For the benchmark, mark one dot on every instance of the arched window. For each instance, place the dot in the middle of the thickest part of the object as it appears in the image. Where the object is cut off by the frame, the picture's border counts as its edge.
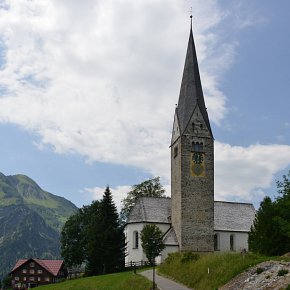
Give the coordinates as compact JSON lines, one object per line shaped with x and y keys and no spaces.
{"x":232,"y":242}
{"x":197,"y":146}
{"x":135,"y":240}
{"x":216,"y":242}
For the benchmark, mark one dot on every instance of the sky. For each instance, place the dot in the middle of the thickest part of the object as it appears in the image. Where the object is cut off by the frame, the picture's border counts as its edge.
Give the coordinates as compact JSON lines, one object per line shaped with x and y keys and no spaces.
{"x":88,"y":91}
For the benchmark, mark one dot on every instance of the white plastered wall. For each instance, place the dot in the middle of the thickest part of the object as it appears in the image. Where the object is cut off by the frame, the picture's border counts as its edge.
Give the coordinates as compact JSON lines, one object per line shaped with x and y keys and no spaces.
{"x":240,"y":241}
{"x":136,"y":254}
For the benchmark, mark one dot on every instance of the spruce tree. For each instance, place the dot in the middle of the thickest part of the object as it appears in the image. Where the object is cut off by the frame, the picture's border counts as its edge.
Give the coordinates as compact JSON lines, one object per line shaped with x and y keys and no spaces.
{"x":94,"y":236}
{"x":105,"y":238}
{"x":113,"y":236}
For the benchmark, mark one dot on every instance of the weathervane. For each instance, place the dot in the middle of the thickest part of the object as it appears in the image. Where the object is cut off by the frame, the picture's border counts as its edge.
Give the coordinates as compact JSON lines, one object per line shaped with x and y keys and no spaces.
{"x":190,"y":11}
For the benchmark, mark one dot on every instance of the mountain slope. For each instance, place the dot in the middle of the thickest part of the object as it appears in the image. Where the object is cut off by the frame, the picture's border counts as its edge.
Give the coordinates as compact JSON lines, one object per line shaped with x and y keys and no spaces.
{"x":30,"y":221}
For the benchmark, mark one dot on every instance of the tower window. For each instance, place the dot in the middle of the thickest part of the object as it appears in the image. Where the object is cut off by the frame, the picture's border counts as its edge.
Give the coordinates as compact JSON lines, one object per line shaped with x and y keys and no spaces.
{"x":135,"y":240}
{"x":175,"y":151}
{"x":197,"y":146}
{"x":201,"y":126}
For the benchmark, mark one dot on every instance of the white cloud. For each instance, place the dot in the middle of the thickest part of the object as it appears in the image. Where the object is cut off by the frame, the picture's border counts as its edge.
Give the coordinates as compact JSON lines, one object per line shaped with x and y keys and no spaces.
{"x":100,"y":78}
{"x":242,"y":173}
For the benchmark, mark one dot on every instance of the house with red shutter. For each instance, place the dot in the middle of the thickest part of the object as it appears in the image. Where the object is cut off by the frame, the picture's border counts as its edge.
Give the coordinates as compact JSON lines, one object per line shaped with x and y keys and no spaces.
{"x":30,"y":273}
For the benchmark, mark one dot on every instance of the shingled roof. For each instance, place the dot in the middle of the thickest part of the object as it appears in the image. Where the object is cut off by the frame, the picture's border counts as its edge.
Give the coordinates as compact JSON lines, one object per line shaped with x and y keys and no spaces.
{"x":228,"y":216}
{"x":191,"y":94}
{"x":233,"y":216}
{"x":151,"y":209}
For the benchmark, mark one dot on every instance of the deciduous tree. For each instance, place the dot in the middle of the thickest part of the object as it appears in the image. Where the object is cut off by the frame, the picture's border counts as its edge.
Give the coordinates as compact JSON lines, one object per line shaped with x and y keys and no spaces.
{"x":148,"y":188}
{"x":152,"y":243}
{"x":270,"y":233}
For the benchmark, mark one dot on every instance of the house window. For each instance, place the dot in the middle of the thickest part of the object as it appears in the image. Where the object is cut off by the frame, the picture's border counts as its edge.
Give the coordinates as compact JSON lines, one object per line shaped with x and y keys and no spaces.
{"x":31,"y":271}
{"x":31,"y":264}
{"x":47,"y":279}
{"x":24,"y":278}
{"x":232,"y":242}
{"x":216,"y":242}
{"x":31,"y":278}
{"x":135,"y":240}
{"x":16,"y":278}
{"x":24,"y":271}
{"x":175,"y":151}
{"x":38,"y":279}
{"x":197,"y":146}
{"x":39,"y":271}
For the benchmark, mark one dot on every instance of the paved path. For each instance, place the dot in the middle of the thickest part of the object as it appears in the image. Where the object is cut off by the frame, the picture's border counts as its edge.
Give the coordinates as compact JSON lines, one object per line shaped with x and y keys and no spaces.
{"x":163,"y":283}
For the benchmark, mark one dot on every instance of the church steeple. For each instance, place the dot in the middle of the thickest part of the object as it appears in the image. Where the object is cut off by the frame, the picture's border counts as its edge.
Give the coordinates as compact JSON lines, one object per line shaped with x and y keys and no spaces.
{"x":192,"y":163}
{"x":191,"y":94}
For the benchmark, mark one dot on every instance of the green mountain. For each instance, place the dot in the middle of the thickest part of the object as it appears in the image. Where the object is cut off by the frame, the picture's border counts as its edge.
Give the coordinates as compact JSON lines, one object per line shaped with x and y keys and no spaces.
{"x":30,"y":221}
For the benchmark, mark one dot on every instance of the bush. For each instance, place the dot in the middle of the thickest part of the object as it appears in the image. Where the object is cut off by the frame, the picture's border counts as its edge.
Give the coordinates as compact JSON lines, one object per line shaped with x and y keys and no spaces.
{"x":282,"y":272}
{"x":188,"y":257}
{"x":183,"y":257}
{"x":288,"y":287}
{"x":171,"y":257}
{"x":259,"y":270}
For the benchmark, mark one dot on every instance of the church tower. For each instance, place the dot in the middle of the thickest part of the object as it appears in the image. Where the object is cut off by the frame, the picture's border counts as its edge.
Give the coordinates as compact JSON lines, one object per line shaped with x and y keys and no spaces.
{"x":192,"y":163}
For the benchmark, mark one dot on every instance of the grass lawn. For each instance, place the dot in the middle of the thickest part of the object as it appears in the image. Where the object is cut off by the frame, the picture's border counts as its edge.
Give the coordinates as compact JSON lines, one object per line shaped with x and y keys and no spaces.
{"x":117,"y":281}
{"x":209,"y":271}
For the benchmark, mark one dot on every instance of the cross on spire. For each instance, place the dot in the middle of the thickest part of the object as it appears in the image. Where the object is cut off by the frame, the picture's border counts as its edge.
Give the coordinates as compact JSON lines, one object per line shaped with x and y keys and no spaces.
{"x":190,"y":11}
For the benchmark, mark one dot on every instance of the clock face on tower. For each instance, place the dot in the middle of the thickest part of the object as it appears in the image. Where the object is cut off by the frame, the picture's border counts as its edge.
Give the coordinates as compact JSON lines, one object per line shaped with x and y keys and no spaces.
{"x":197,"y":166}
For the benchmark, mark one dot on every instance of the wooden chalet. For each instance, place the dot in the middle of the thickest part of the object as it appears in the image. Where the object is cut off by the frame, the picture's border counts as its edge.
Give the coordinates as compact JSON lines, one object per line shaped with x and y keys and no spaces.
{"x":30,"y":273}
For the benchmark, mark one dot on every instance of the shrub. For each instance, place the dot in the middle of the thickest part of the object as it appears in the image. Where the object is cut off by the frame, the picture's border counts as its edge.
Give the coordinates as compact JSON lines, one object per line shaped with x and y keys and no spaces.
{"x":288,"y":287}
{"x":259,"y":270}
{"x":172,"y":257}
{"x":282,"y":272}
{"x":188,"y":257}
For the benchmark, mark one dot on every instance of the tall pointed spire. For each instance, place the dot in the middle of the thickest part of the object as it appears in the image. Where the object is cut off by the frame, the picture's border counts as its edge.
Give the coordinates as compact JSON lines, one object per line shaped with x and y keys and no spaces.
{"x":191,"y":94}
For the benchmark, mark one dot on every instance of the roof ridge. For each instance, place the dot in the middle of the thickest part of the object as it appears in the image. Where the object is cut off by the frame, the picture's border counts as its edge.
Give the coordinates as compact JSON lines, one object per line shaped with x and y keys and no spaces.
{"x":232,"y":202}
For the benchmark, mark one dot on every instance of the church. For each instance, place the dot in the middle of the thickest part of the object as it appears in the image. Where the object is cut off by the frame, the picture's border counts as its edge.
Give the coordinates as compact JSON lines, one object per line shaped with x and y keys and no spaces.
{"x":191,"y":220}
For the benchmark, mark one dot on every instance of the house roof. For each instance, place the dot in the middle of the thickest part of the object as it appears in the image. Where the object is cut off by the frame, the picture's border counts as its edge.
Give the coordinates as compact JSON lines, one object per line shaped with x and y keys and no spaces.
{"x":228,"y":216}
{"x":52,"y":266}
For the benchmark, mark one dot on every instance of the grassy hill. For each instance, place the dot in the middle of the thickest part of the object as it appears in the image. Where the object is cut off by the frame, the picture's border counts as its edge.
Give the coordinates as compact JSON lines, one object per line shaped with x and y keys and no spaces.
{"x":118,"y":281}
{"x":208,"y":272}
{"x":30,"y":221}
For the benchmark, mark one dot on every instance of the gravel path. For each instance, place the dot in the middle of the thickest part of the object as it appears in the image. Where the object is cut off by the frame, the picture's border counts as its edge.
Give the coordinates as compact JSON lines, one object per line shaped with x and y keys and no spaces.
{"x":164,"y":283}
